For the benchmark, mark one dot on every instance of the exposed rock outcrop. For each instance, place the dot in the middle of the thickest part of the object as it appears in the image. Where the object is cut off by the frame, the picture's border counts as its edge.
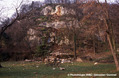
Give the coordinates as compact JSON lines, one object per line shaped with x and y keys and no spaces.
{"x":47,"y":10}
{"x":59,"y":10}
{"x":57,"y":21}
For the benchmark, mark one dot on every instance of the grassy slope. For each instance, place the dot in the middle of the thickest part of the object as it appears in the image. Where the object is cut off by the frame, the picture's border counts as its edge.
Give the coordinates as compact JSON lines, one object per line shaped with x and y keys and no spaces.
{"x":39,"y":70}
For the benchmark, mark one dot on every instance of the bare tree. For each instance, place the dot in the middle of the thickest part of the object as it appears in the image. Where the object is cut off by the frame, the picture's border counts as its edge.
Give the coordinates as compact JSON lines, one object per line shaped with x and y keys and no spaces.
{"x":6,"y":24}
{"x":117,"y":1}
{"x":104,"y":14}
{"x":0,"y":21}
{"x":109,"y":32}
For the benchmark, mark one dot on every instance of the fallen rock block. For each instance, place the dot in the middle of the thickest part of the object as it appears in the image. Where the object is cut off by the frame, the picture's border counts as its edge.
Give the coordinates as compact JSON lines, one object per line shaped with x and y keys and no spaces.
{"x":28,"y":60}
{"x":53,"y":68}
{"x":61,"y":68}
{"x":79,"y":60}
{"x":95,"y":63}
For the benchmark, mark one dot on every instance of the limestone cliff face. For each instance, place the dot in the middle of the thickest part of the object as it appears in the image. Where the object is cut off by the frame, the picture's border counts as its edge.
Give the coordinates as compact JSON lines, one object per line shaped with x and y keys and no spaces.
{"x":33,"y":36}
{"x":59,"y":11}
{"x":60,"y":17}
{"x":57,"y":18}
{"x":47,"y":10}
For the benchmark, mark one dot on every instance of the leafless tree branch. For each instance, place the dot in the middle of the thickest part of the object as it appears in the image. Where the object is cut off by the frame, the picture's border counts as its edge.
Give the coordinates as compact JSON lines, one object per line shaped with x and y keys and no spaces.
{"x":5,"y":26}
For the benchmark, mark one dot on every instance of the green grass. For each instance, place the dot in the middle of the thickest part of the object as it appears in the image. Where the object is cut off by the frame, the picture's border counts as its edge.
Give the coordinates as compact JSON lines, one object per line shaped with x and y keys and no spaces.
{"x":39,"y":70}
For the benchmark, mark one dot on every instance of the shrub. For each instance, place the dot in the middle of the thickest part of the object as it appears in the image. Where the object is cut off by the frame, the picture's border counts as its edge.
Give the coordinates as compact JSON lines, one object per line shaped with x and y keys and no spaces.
{"x":42,"y":51}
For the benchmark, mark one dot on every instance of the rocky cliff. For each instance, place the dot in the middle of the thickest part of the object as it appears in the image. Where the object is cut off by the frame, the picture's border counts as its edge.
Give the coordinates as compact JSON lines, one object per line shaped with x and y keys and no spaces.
{"x":54,"y":17}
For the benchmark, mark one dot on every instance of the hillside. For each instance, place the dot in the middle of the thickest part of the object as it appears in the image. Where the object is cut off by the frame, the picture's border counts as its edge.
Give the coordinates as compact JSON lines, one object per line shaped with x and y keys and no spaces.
{"x":76,"y":29}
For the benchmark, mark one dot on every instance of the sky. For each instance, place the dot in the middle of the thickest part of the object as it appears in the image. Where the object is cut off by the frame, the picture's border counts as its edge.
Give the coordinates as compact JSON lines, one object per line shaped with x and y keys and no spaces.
{"x":9,"y":6}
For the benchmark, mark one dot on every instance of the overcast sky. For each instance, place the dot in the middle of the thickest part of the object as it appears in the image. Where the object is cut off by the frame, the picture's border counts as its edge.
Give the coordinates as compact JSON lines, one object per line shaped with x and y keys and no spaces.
{"x":10,"y":4}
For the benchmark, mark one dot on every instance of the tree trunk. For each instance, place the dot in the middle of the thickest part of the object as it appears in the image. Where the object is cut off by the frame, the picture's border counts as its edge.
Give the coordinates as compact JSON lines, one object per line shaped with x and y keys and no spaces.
{"x":75,"y":55}
{"x":110,"y":34}
{"x":94,"y":45}
{"x":0,"y":66}
{"x":0,"y":50}
{"x":113,"y":53}
{"x":111,"y":41}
